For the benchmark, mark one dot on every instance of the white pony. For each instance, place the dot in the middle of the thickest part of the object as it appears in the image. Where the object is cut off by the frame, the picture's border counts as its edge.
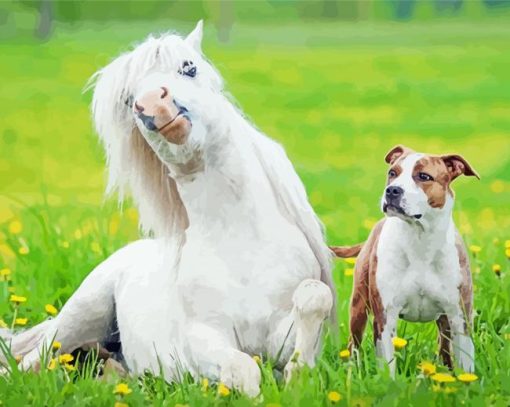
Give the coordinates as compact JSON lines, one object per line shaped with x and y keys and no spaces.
{"x":238,"y":265}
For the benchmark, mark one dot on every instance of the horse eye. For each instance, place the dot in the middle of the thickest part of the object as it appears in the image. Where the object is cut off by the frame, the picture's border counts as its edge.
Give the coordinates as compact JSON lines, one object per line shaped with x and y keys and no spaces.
{"x":423,"y":176}
{"x":129,"y":101}
{"x":188,"y":68}
{"x":392,"y":173}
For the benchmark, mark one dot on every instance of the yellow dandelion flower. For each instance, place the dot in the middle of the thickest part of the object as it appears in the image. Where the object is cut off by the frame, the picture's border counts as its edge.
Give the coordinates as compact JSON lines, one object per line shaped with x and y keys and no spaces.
{"x":17,"y":299}
{"x":132,"y":214}
{"x":95,"y":247}
{"x":334,"y":396}
{"x":475,"y":249}
{"x":66,"y":358}
{"x":443,"y":378}
{"x":77,"y":234}
{"x":344,"y":354}
{"x":52,"y":364}
{"x":5,"y":274}
{"x":507,"y":244}
{"x":15,"y":227}
{"x":350,"y":260}
{"x":69,"y":367}
{"x":50,"y":309}
{"x":120,"y":404}
{"x":496,"y":268}
{"x":437,"y":388}
{"x":497,"y":186}
{"x":467,"y":377}
{"x":399,"y":343}
{"x":64,"y":244}
{"x":122,"y":389}
{"x":427,"y":368}
{"x":113,"y":226}
{"x":507,"y":252}
{"x":20,"y":321}
{"x":56,"y":345}
{"x":369,"y":223}
{"x":3,"y":324}
{"x":205,"y":384}
{"x":223,"y":390}
{"x":349,"y":272}
{"x":23,"y":250}
{"x":257,"y":359}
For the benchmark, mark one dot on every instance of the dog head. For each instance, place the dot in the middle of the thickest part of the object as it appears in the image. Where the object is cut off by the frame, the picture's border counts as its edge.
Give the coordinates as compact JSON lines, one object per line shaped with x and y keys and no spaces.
{"x":420,"y":184}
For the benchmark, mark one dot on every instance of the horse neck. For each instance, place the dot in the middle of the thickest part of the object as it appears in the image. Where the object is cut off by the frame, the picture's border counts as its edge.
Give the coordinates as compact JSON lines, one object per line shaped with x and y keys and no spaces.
{"x":224,"y":178}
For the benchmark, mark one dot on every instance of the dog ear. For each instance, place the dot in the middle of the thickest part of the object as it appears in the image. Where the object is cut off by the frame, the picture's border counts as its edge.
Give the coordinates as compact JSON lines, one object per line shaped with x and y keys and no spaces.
{"x":194,"y":38}
{"x":396,"y":152}
{"x":457,"y":165}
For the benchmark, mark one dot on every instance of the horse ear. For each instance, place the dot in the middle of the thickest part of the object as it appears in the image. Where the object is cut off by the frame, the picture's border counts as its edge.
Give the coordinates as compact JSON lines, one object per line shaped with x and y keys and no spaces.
{"x":194,"y":38}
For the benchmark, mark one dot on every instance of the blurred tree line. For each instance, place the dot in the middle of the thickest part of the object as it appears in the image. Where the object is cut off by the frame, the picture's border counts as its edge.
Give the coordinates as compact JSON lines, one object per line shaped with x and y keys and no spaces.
{"x":224,"y":13}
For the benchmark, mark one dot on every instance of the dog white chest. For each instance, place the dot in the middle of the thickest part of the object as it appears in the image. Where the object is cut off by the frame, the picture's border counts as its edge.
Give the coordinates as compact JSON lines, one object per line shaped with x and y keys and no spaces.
{"x":417,"y":280}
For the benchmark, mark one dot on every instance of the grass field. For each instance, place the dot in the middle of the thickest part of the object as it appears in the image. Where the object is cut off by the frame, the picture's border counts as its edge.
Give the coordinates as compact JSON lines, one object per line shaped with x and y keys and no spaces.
{"x":338,"y":97}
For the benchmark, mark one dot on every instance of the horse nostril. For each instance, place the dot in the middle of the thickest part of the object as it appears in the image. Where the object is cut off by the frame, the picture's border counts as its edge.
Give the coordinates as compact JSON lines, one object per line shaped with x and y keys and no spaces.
{"x":165,"y":92}
{"x":139,"y":108}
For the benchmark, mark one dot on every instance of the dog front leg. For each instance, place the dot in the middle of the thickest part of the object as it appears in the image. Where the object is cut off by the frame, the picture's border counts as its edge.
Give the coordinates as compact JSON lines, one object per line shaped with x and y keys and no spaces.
{"x":463,"y":347}
{"x":385,"y":329}
{"x":312,"y":304}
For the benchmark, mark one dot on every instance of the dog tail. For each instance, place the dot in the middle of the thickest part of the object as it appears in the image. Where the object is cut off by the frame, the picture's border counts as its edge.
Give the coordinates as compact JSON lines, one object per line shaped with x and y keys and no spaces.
{"x":347,"y":251}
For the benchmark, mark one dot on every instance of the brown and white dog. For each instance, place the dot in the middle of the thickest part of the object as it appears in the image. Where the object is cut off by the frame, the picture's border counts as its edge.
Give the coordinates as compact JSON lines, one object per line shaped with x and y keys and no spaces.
{"x":414,"y":264}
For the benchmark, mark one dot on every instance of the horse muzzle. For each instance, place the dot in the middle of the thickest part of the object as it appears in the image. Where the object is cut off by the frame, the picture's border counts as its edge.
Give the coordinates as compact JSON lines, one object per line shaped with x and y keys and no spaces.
{"x":159,"y":112}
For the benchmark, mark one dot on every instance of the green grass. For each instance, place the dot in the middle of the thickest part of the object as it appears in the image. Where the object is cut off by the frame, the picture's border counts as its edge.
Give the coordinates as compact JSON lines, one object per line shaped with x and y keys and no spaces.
{"x":338,"y":97}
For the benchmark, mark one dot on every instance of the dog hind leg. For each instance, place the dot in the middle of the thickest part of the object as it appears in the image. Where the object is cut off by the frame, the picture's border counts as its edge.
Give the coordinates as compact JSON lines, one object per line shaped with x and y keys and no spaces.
{"x":358,"y":316}
{"x":444,"y":340}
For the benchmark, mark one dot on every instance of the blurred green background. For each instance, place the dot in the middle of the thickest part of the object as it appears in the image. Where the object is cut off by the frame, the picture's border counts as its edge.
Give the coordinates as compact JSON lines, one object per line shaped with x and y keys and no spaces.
{"x":338,"y":83}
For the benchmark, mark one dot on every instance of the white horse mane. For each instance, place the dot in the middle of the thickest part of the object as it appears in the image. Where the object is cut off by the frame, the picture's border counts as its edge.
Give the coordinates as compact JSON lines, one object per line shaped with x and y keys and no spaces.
{"x":133,"y":164}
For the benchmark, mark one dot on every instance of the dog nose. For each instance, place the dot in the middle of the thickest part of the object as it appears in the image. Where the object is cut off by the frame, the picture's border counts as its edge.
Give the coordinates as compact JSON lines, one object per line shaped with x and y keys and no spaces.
{"x":394,"y":192}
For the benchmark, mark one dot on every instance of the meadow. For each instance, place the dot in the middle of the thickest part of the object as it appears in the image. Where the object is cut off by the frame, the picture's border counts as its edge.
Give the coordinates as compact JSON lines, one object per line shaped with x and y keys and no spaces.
{"x":338,"y":97}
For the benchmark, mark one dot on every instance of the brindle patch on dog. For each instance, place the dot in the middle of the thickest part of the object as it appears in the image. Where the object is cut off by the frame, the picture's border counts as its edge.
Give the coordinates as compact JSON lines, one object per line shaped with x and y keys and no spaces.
{"x":437,"y":188}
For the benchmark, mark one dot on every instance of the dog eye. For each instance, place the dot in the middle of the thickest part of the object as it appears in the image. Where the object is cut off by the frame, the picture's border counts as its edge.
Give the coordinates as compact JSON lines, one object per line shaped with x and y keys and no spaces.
{"x":188,"y":68}
{"x":423,"y":176}
{"x":392,"y":173}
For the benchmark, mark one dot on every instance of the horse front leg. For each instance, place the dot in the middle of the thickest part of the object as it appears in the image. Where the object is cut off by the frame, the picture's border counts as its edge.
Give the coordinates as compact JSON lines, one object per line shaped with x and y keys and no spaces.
{"x":213,"y":354}
{"x":312,"y":302}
